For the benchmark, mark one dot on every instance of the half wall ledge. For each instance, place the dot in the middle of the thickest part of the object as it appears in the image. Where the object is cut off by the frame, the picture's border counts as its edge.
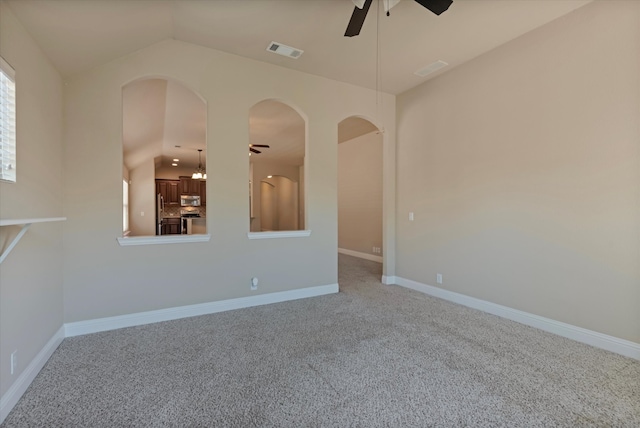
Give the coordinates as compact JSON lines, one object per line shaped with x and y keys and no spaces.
{"x":162,"y":239}
{"x":279,"y":234}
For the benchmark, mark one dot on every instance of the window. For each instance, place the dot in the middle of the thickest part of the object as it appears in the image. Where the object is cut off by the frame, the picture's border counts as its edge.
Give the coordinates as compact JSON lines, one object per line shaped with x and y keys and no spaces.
{"x":125,"y":205}
{"x":7,"y":122}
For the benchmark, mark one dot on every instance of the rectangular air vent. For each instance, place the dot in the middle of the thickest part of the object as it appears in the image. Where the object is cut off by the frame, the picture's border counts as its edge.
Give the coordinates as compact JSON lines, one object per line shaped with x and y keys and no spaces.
{"x":284,"y":50}
{"x":431,"y":68}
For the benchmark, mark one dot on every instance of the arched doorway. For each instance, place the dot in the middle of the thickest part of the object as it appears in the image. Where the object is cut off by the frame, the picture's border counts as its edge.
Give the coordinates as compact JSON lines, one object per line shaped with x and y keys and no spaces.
{"x":360,"y":189}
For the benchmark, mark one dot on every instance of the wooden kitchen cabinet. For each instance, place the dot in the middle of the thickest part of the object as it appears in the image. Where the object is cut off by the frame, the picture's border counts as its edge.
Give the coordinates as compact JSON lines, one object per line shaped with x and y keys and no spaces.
{"x":189,"y":186}
{"x":195,"y":187}
{"x":173,"y":195}
{"x":161,"y":188}
{"x":203,"y":192}
{"x":170,"y":191}
{"x":185,"y":185}
{"x":171,"y":226}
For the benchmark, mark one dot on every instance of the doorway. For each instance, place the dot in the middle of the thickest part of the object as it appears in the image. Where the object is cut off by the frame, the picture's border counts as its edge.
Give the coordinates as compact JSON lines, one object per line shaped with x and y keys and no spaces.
{"x":360,"y":187}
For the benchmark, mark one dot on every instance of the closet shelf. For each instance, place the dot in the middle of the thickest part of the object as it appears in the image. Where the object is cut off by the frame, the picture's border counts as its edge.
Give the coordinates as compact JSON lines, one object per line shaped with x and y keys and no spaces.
{"x":26,"y":223}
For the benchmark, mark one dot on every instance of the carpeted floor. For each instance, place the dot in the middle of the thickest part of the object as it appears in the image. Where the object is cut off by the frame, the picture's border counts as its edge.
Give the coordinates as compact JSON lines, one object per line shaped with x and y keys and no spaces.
{"x":369,"y":356}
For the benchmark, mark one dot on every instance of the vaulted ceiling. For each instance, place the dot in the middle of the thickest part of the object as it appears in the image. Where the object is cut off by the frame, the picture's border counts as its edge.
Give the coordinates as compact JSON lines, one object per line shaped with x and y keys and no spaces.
{"x":79,"y":35}
{"x":162,"y":120}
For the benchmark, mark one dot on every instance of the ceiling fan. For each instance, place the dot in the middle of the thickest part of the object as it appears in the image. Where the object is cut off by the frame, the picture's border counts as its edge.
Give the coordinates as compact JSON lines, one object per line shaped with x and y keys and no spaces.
{"x":362,"y":7}
{"x":251,"y":148}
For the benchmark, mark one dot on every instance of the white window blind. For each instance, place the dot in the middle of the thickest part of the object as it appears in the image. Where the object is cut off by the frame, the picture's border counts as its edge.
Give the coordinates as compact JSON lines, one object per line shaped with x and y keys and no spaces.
{"x":7,"y":122}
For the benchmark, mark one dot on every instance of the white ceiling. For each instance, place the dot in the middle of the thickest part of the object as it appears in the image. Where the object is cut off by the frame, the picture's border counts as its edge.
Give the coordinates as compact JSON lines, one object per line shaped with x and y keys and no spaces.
{"x":143,"y":112}
{"x":79,"y":35}
{"x":280,"y":127}
{"x":162,"y":120}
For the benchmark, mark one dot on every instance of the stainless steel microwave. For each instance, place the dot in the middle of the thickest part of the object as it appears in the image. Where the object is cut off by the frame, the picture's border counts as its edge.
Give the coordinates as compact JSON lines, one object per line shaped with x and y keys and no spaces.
{"x":189,"y":201}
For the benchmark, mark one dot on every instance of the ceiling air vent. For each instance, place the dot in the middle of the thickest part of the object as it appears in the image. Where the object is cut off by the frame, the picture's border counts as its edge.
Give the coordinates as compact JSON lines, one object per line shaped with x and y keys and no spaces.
{"x":284,"y":50}
{"x":431,"y":68}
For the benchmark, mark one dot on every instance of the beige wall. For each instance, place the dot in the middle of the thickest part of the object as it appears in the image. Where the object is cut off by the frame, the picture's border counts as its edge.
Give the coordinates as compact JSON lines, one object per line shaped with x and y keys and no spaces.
{"x":287,"y":202}
{"x":142,"y":189}
{"x":260,"y":172}
{"x":279,"y":206}
{"x":173,"y":172}
{"x":103,"y":279}
{"x":268,"y":207}
{"x":301,"y":198}
{"x":31,"y":277}
{"x":523,"y":170}
{"x":360,"y":193}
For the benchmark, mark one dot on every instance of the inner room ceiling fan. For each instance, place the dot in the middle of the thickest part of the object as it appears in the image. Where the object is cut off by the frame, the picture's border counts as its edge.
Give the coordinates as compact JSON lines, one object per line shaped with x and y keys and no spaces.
{"x":362,"y":7}
{"x":252,"y":150}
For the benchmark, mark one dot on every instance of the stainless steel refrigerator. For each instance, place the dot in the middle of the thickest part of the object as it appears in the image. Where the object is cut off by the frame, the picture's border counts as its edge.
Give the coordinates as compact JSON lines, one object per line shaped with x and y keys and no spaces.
{"x":159,"y":213}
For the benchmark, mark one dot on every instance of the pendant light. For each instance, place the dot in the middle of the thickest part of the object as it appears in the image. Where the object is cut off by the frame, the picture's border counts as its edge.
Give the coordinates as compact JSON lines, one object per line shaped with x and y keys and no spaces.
{"x":199,"y":173}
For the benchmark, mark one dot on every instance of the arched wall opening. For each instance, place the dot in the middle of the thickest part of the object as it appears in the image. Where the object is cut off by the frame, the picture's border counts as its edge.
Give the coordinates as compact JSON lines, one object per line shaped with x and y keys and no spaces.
{"x":360,"y":189}
{"x":277,"y":150}
{"x":164,"y":138}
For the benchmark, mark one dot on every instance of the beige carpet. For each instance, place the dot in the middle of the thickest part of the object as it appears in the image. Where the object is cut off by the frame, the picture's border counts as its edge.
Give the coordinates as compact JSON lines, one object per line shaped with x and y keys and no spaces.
{"x":369,"y":356}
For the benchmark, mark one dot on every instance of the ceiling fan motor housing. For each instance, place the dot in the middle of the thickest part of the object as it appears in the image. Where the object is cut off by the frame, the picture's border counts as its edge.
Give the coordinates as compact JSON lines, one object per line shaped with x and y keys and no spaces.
{"x":436,"y":6}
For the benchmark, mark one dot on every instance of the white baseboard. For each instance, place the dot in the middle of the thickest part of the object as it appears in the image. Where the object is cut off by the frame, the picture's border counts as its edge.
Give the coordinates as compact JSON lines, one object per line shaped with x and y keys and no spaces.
{"x":579,"y":334}
{"x":13,"y":394}
{"x":141,"y":318}
{"x":11,"y":397}
{"x":360,"y":255}
{"x":388,"y":280}
{"x":599,"y":340}
{"x":270,"y":234}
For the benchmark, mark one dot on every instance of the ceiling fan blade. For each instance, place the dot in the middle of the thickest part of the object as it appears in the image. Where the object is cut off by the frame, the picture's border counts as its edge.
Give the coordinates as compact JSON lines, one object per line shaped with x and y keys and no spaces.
{"x":357,"y":20}
{"x":254,"y":150}
{"x":260,"y":145}
{"x":436,"y":6}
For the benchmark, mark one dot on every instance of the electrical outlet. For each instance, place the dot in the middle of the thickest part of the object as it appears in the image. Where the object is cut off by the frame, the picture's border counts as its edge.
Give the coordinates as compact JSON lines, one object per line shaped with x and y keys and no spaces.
{"x":254,"y":283}
{"x":439,"y":278}
{"x":14,"y":362}
{"x":411,"y":216}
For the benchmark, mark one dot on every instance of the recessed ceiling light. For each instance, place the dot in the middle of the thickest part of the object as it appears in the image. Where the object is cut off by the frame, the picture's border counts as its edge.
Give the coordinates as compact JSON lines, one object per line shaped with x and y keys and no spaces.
{"x":176,"y":160}
{"x":174,"y":164}
{"x":269,"y":176}
{"x":284,"y":50}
